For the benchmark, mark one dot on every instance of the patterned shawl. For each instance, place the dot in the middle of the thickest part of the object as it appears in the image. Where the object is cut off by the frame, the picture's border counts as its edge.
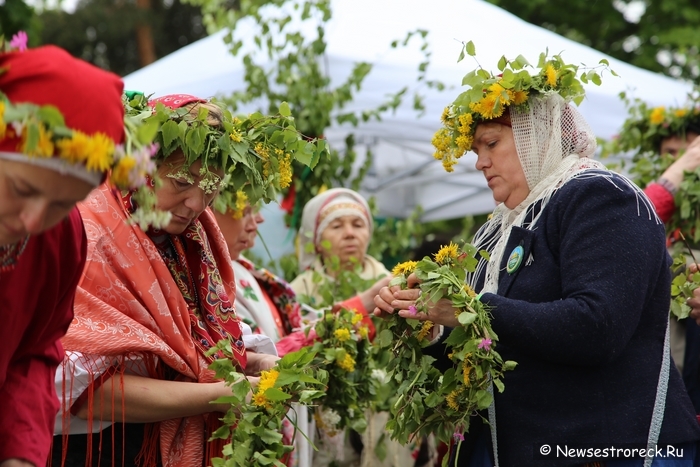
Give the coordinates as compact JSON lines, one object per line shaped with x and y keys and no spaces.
{"x":279,"y":291}
{"x":129,"y":304}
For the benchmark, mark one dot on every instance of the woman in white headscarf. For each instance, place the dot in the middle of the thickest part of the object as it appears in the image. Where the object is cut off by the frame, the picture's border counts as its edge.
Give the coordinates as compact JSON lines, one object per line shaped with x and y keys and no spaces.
{"x":578,"y":283}
{"x":336,"y":224}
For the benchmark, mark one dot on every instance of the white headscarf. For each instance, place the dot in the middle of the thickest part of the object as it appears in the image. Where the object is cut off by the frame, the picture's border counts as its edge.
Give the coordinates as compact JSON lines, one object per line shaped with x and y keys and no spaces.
{"x":320,"y":211}
{"x":554,"y":144}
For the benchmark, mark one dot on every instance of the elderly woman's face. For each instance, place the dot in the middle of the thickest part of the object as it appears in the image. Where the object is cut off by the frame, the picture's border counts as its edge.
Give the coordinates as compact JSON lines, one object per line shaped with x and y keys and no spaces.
{"x":348,"y":237}
{"x":180,"y":193}
{"x":498,"y":160}
{"x":239,"y":232}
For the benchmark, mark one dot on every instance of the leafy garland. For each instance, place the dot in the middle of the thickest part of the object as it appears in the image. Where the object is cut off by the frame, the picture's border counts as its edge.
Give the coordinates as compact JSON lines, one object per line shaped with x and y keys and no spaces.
{"x":644,"y":130}
{"x":255,"y":152}
{"x":347,"y":359}
{"x":42,"y":133}
{"x":431,"y":402}
{"x":490,"y":95}
{"x":342,"y":357}
{"x":254,"y":428}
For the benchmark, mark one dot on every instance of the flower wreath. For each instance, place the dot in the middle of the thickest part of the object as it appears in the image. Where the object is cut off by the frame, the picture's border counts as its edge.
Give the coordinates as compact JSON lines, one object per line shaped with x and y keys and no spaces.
{"x":430,"y":401}
{"x":42,"y":132}
{"x":255,"y":152}
{"x":644,"y":130}
{"x":490,"y":95}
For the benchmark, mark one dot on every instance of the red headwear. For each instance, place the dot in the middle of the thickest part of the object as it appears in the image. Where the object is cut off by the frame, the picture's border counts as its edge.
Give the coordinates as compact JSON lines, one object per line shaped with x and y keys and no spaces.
{"x":175,"y":101}
{"x":89,"y":99}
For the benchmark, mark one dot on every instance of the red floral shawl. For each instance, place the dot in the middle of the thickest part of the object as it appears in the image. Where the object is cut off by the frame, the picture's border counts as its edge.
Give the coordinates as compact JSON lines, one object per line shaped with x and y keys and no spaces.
{"x":128,"y":304}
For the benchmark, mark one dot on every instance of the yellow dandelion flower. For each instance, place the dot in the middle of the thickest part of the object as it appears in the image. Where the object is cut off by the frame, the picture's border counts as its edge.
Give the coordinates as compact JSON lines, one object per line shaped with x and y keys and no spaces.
{"x":356,"y":318}
{"x":464,"y":142}
{"x":425,"y":330}
{"x":519,"y":97}
{"x":447,"y":164}
{"x":466,"y":120}
{"x":100,"y":152}
{"x":465,"y":123}
{"x":551,"y":75}
{"x":44,"y":146}
{"x":489,"y":107}
{"x":363,"y":331}
{"x":499,"y":93}
{"x":342,"y":334}
{"x":469,"y":290}
{"x":466,"y":371}
{"x":285,"y":171}
{"x":446,"y":252}
{"x":444,"y":118}
{"x":267,"y":380}
{"x":236,"y":136}
{"x":74,"y":149}
{"x":120,"y":174}
{"x":657,"y":115}
{"x":441,"y":139}
{"x":260,"y":399}
{"x":347,"y":363}
{"x":452,"y":401}
{"x":405,"y":268}
{"x":680,"y":113}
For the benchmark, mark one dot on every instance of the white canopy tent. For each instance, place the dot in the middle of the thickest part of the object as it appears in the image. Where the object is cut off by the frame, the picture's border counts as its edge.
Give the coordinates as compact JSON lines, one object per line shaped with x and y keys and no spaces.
{"x":404,"y":172}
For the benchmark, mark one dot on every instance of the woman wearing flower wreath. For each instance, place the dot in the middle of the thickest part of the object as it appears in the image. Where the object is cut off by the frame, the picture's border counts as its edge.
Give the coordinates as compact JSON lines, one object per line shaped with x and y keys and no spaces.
{"x":151,"y":304}
{"x":61,"y":121}
{"x":578,"y":280}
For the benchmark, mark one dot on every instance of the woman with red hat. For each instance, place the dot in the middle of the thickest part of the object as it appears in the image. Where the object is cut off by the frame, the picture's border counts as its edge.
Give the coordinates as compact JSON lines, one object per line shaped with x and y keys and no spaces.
{"x":61,"y":125}
{"x":136,"y":385}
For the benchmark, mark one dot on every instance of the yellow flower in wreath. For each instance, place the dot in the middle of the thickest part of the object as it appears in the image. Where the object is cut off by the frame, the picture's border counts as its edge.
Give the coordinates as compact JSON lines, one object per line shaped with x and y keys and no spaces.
{"x":342,"y":334}
{"x":101,"y":149}
{"x":347,"y":363}
{"x":44,"y":146}
{"x":551,"y":75}
{"x":657,"y":115}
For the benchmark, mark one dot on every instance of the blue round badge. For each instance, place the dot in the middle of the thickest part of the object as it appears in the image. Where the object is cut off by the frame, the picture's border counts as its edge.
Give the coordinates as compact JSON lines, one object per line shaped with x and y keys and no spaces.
{"x":514,"y":260}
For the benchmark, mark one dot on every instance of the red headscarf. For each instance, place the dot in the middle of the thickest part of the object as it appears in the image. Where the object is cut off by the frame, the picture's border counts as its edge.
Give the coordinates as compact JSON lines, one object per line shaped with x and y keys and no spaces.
{"x":88,"y":97}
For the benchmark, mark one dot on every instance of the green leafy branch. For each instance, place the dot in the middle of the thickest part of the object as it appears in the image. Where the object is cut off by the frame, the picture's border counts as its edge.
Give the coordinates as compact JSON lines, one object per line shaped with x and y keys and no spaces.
{"x":437,"y":403}
{"x":254,"y":428}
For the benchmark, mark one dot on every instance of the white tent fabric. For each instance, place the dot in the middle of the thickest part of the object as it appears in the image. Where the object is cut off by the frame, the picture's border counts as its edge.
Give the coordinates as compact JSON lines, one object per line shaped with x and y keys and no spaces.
{"x":404,"y":173}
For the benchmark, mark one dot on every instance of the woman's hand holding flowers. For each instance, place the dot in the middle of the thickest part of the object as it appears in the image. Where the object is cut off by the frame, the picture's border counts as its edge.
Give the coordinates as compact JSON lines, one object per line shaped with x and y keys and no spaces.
{"x":257,"y":362}
{"x":407,"y":304}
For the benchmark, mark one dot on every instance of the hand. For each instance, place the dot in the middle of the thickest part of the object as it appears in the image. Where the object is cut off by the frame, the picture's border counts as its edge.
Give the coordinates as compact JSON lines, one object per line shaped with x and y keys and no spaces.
{"x":258,"y":362}
{"x":16,"y":463}
{"x":694,"y":302}
{"x":368,"y":295}
{"x":395,"y":300}
{"x":384,"y":299}
{"x":688,"y":162}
